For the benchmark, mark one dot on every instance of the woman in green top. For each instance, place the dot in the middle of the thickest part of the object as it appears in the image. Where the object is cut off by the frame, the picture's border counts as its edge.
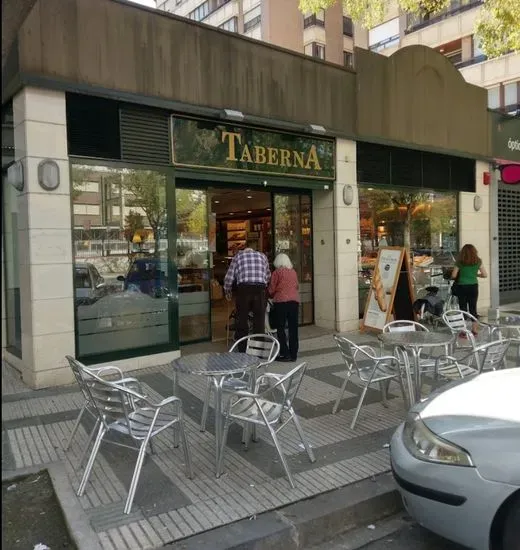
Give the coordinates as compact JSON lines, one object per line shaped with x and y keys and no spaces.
{"x":467,"y":269}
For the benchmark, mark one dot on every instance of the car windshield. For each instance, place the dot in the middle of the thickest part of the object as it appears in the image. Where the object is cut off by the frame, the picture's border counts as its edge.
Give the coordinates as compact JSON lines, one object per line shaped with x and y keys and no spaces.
{"x":81,"y":278}
{"x":143,"y":269}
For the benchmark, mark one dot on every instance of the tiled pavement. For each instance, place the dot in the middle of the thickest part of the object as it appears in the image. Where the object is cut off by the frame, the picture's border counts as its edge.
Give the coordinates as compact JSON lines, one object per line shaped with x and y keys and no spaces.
{"x":168,"y":506}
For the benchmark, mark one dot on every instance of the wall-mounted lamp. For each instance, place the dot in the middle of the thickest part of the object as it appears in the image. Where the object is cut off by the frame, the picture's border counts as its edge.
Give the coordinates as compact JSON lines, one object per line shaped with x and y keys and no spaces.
{"x":348,"y":195}
{"x":231,"y":114}
{"x":49,"y":174}
{"x":477,"y":202}
{"x":317,"y":129}
{"x":15,"y":175}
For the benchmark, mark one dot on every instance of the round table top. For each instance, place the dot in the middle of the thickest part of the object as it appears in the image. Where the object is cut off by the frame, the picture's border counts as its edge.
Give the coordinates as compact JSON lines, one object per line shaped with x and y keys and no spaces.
{"x":504,"y":321}
{"x":216,"y":364}
{"x":415,"y":338}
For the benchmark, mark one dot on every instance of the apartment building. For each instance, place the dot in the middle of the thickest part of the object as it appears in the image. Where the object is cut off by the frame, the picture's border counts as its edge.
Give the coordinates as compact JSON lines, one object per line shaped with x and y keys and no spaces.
{"x":331,"y":35}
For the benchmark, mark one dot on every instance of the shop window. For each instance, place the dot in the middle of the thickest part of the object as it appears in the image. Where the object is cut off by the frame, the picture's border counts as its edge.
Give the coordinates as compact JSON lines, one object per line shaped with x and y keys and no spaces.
{"x":121,"y":272}
{"x":425,"y":222}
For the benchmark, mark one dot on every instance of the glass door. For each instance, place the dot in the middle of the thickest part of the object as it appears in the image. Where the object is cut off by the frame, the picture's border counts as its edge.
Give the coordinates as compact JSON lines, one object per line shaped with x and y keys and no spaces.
{"x":293,"y":236}
{"x":193,"y":266}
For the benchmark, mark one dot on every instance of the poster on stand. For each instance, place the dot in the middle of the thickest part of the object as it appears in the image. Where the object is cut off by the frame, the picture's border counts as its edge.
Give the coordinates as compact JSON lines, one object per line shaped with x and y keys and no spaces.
{"x":391,"y":272}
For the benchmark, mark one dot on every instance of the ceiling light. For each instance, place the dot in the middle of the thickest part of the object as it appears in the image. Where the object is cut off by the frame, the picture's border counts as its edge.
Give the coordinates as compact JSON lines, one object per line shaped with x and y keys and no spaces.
{"x":442,"y":50}
{"x":249,"y":196}
{"x":268,"y":209}
{"x":217,"y":202}
{"x":317,"y":129}
{"x":231,"y":213}
{"x":232,"y":114}
{"x":249,"y":211}
{"x":370,"y":188}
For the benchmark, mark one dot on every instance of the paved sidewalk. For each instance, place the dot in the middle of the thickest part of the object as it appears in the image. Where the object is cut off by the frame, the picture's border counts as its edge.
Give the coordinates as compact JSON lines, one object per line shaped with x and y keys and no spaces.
{"x":168,"y":506}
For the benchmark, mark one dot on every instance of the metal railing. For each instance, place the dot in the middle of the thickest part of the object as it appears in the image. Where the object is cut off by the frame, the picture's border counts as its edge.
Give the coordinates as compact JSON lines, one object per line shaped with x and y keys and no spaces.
{"x":416,"y":22}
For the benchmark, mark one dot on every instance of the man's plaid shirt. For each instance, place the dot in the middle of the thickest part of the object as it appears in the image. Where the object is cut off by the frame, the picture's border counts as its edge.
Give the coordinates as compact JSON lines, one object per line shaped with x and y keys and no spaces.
{"x":247,"y":267}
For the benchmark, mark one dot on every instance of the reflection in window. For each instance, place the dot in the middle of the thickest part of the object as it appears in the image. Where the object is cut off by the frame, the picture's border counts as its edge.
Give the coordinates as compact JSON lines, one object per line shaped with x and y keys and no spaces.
{"x":293,"y":236}
{"x":120,"y":259}
{"x":423,"y":222}
{"x":193,"y":264}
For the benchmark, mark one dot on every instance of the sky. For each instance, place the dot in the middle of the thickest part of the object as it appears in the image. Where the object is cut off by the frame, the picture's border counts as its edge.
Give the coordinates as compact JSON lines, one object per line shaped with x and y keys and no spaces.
{"x":149,"y":3}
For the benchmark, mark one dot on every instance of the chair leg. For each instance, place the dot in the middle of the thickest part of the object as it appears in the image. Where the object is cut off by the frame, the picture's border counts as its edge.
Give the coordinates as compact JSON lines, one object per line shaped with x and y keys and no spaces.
{"x":223,"y":443}
{"x":358,"y":408}
{"x":185,"y":448}
{"x":207,"y":398}
{"x":299,"y":429}
{"x":89,"y":441}
{"x":246,"y":436}
{"x":75,"y":428}
{"x":135,"y":477}
{"x":384,"y":389}
{"x":152,"y":448}
{"x":92,"y":458}
{"x":281,"y":455}
{"x":341,"y":392}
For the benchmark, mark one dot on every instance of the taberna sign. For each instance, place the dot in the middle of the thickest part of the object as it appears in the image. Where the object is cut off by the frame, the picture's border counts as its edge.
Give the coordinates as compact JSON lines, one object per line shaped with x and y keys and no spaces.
{"x":212,"y":144}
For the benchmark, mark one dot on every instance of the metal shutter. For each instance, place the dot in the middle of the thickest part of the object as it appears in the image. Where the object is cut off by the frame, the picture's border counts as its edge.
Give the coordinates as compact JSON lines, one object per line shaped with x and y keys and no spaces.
{"x":508,"y":242}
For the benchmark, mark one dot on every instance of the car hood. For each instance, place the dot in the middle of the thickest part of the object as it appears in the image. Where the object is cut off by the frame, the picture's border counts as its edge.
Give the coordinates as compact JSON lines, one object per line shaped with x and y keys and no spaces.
{"x":481,"y":415}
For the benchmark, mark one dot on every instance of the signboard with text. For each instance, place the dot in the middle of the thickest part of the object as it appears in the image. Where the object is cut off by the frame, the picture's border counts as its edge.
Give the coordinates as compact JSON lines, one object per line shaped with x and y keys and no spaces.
{"x":391,"y":293}
{"x":506,"y":137}
{"x":212,"y":144}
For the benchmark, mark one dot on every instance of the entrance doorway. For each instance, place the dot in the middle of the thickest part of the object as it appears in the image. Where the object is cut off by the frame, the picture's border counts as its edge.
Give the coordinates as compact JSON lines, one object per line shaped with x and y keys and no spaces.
{"x":213,"y":224}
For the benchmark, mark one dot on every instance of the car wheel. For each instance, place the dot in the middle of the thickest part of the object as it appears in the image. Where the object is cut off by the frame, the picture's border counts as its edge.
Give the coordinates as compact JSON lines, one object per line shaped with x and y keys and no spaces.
{"x":511,"y":532}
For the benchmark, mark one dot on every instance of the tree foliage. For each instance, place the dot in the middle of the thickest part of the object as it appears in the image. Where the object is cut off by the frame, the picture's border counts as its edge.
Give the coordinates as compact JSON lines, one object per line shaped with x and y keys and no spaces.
{"x":498,"y":27}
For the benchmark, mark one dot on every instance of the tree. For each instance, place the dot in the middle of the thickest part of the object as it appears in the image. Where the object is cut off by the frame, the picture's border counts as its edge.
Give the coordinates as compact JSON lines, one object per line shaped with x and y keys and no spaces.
{"x":498,"y":26}
{"x":80,"y":176}
{"x":133,"y":224}
{"x":148,"y":192}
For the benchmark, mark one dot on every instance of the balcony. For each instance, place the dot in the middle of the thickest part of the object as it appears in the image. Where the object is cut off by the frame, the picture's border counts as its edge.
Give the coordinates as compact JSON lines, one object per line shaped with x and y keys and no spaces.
{"x":491,"y":72}
{"x":416,"y":22}
{"x":313,"y":21}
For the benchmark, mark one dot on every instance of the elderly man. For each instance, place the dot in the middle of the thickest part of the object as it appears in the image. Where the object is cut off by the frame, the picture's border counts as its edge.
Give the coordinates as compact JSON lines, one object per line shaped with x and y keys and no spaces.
{"x":249,"y":270}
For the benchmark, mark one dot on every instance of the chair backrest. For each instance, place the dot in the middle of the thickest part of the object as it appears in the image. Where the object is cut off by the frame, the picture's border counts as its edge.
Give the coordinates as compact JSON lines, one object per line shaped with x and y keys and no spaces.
{"x":263,"y":346}
{"x":456,"y":319}
{"x":404,"y":326}
{"x":349,"y":351}
{"x":285,"y":390}
{"x":492,"y":356}
{"x":78,"y":369}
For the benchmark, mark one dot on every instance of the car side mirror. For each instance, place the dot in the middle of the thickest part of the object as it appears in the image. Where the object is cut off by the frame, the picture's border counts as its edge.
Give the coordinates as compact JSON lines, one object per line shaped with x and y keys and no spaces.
{"x":121,"y":278}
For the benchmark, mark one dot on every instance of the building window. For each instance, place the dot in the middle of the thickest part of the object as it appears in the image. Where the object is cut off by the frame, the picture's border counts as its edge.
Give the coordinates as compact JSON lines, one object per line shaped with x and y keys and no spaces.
{"x":384,"y":36}
{"x":494,"y":98}
{"x":348,"y":59}
{"x":348,"y":27}
{"x":230,"y":25}
{"x":511,"y":97}
{"x":314,"y":19}
{"x":121,"y":266}
{"x":314,"y":49}
{"x":252,"y":18}
{"x":200,"y":12}
{"x":423,"y":221}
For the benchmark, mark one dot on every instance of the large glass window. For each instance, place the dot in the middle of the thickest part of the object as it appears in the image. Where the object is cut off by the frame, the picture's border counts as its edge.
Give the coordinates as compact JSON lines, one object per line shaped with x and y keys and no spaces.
{"x":193,"y":265}
{"x":424,"y":222}
{"x":121,"y":269}
{"x":293,"y":236}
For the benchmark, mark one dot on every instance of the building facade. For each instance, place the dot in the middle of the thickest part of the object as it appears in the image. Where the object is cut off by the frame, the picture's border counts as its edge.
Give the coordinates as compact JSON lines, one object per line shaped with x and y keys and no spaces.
{"x":128,"y":188}
{"x":330,"y":35}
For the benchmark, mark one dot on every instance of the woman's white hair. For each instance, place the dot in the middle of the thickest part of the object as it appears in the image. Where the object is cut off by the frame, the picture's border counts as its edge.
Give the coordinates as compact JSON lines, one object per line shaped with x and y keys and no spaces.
{"x":282,"y":260}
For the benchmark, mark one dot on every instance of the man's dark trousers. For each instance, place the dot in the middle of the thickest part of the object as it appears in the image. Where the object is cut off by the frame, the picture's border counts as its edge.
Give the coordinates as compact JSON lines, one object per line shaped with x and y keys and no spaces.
{"x":249,"y":298}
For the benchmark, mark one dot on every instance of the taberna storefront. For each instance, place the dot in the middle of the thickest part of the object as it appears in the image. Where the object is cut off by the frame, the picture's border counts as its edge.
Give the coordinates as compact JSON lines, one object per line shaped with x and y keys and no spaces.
{"x":155,"y":229}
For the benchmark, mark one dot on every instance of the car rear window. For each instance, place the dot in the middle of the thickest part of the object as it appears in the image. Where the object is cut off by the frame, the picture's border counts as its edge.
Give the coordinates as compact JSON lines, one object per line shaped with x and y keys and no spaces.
{"x":82,"y":278}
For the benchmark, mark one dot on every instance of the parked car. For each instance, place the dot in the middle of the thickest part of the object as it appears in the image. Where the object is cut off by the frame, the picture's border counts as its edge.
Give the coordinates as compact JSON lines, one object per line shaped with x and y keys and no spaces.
{"x":89,"y":286}
{"x":147,"y":275}
{"x":456,"y":461}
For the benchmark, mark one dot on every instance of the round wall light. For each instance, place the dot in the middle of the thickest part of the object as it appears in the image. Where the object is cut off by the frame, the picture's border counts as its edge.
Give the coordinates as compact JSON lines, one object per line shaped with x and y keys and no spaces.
{"x":49,"y":174}
{"x":477,"y":202}
{"x":348,"y":195}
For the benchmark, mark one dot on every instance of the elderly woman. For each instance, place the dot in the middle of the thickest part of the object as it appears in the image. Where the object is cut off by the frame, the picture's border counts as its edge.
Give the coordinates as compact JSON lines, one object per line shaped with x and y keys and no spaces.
{"x":283,"y":289}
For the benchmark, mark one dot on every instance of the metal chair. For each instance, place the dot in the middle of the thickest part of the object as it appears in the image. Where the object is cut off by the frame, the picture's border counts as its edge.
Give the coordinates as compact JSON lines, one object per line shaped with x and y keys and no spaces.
{"x":263,"y":346}
{"x":127,"y":411}
{"x":266,"y":407}
{"x":88,"y":407}
{"x":370,"y":369}
{"x":482,"y":358}
{"x":457,"y":321}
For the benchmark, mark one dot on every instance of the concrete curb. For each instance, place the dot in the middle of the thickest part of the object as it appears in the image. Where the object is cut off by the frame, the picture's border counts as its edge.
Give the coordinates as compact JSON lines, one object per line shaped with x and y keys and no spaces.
{"x":75,"y":517}
{"x":305,"y":523}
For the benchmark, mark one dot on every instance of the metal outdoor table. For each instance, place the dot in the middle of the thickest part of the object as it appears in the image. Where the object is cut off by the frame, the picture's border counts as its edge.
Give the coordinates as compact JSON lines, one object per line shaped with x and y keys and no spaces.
{"x":509,"y":322}
{"x":217,"y":366}
{"x":416,"y":340}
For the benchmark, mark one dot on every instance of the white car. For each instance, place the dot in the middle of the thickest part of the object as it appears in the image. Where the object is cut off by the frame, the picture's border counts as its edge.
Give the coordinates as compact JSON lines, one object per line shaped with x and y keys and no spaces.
{"x":456,"y":461}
